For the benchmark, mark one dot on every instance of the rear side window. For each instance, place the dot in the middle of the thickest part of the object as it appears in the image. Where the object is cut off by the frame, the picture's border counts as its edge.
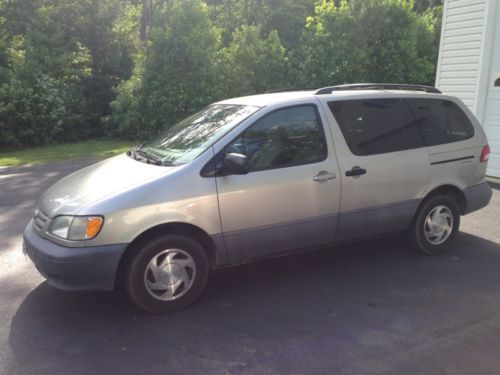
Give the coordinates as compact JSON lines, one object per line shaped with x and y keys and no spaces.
{"x":441,"y":121}
{"x":377,"y":126}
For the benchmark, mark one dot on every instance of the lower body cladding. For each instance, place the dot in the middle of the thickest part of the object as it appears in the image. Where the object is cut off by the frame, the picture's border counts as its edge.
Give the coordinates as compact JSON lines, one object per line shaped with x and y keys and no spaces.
{"x":246,"y":245}
{"x":95,"y":268}
{"x":346,"y":226}
{"x":75,"y":268}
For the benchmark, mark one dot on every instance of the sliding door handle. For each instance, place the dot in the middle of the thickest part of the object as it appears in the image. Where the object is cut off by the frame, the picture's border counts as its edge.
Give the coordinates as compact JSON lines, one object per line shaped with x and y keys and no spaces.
{"x":356,"y":171}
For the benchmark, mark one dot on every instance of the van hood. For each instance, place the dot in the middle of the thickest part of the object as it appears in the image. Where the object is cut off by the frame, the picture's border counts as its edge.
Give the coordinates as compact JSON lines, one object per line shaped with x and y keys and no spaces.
{"x":96,"y":182}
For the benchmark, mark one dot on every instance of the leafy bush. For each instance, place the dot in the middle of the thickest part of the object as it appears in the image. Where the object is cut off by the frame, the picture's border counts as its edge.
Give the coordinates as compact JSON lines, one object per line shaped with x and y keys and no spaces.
{"x":30,"y":115}
{"x":178,"y":76}
{"x":79,"y":69}
{"x":367,"y":41}
{"x":255,"y":64}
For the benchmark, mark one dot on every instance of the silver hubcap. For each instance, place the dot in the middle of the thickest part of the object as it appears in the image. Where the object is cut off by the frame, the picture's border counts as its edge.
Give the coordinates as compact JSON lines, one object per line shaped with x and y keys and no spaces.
{"x":438,"y":225}
{"x":170,"y":274}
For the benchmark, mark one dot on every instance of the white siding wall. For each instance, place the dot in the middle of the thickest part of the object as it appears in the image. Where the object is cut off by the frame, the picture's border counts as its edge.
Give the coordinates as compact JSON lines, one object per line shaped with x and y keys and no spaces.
{"x":491,"y":120}
{"x":469,"y":63}
{"x":461,"y":47}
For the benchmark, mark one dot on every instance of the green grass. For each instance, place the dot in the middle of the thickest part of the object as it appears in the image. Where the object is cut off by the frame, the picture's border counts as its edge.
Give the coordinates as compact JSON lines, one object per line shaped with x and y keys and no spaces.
{"x":60,"y":152}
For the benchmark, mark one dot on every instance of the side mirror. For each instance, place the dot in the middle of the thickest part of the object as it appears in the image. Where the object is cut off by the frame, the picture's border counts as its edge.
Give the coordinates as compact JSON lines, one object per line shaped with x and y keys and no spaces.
{"x":236,"y":163}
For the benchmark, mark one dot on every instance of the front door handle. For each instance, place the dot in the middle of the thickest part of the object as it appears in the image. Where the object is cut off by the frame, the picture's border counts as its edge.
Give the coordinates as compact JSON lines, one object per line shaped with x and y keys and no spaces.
{"x":355,"y":171}
{"x":324,"y":176}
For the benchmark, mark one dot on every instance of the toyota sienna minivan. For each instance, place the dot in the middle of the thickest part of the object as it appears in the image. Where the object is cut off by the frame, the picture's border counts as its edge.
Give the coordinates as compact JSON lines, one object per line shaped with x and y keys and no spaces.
{"x":261,"y":176}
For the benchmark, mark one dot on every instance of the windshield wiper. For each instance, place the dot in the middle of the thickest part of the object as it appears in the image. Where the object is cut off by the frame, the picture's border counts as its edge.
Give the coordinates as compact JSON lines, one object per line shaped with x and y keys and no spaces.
{"x":150,"y":158}
{"x":145,"y":156}
{"x":140,"y":155}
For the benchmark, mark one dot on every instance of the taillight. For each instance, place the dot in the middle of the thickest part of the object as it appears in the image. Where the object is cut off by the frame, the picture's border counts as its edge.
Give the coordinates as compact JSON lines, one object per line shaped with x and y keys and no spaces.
{"x":485,"y":154}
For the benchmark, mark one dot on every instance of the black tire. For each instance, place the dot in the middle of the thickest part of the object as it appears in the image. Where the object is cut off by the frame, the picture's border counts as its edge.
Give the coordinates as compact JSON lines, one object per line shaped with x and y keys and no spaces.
{"x":417,"y":231}
{"x":136,"y":278}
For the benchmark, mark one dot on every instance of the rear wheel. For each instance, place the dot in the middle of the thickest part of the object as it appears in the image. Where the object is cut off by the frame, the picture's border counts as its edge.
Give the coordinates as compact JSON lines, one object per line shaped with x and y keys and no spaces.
{"x":435,"y":225}
{"x":167,"y":274}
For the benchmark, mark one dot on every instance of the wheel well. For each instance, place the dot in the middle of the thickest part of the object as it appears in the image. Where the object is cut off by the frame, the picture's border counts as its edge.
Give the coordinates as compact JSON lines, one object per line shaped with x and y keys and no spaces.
{"x":453,"y":192}
{"x":170,"y":228}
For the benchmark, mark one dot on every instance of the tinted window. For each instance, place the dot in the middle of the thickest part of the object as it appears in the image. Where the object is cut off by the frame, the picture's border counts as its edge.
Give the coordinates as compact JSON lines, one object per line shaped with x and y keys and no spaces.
{"x":441,"y":121}
{"x":377,"y":126}
{"x":286,"y":137}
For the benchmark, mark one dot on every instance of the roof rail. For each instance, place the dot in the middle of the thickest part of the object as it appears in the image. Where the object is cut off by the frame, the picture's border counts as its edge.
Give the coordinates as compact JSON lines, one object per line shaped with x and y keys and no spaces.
{"x":377,"y":86}
{"x":274,"y":91}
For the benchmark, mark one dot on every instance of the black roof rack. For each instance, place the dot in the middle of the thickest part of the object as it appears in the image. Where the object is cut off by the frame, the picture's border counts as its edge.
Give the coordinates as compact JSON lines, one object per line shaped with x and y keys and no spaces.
{"x":377,"y":86}
{"x":274,"y":91}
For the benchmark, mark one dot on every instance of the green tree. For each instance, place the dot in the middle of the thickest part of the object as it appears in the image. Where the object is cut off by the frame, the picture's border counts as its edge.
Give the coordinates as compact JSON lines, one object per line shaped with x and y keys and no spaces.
{"x":366,"y":41}
{"x":424,"y":6}
{"x":178,"y":75}
{"x":255,"y":64}
{"x":43,"y":65}
{"x":230,"y":15}
{"x":30,"y":115}
{"x":71,"y":68}
{"x":126,"y":119}
{"x":51,"y":50}
{"x":75,"y":43}
{"x":111,"y":60}
{"x":91,"y":24}
{"x":287,"y":17}
{"x":4,"y":45}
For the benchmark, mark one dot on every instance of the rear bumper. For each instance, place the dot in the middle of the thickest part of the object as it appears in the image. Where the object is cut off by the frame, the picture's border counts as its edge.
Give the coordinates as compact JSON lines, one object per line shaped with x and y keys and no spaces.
{"x":477,"y":196}
{"x":77,"y":269}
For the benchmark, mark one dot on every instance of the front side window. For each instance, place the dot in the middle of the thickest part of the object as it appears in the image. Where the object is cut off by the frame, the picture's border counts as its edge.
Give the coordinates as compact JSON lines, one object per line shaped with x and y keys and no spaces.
{"x":183,"y":142}
{"x":377,"y":126}
{"x":441,"y":121}
{"x":286,"y":137}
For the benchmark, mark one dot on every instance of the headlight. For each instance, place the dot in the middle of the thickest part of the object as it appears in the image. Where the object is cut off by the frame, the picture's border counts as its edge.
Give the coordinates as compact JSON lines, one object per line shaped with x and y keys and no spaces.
{"x":76,"y":228}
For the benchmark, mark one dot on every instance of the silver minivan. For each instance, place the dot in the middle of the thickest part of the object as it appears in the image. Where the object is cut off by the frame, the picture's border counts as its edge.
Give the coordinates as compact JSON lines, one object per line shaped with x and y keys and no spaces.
{"x":261,"y":176}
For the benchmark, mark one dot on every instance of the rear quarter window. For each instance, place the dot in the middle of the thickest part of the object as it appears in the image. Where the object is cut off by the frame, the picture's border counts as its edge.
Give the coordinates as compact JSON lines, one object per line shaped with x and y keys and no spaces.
{"x":377,"y":126}
{"x":441,"y":121}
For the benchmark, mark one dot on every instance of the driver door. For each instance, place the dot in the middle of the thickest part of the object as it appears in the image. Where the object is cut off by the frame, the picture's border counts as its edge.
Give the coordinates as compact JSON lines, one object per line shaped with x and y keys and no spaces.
{"x":290,"y":198}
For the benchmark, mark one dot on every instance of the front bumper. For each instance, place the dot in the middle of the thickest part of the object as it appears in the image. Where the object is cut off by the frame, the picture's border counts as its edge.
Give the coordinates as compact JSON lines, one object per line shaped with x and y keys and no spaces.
{"x":70,"y":268}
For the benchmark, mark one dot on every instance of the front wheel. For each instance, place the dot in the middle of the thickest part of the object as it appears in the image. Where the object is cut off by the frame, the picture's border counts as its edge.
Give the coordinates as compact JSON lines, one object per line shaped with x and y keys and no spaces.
{"x":167,"y":274}
{"x":435,"y":225}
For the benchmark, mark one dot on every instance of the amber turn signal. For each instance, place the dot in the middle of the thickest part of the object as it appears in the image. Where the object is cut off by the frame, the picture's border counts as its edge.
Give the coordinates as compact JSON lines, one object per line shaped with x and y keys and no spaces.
{"x":94,"y":225}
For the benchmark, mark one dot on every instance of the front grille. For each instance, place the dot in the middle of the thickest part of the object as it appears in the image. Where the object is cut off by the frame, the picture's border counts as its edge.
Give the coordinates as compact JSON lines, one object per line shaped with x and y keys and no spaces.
{"x":39,"y":220}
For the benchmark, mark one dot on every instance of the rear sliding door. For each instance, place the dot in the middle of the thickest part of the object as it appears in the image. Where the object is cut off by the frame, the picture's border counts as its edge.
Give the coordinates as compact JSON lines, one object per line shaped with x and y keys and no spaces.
{"x":383,"y":162}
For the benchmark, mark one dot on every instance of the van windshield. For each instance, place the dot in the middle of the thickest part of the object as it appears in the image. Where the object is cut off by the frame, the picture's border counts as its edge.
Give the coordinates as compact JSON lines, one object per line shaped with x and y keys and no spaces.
{"x":189,"y":138}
